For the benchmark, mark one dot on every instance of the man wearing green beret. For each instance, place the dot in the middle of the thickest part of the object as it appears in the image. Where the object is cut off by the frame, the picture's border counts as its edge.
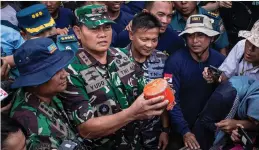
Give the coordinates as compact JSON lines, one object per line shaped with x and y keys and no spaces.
{"x":103,"y":98}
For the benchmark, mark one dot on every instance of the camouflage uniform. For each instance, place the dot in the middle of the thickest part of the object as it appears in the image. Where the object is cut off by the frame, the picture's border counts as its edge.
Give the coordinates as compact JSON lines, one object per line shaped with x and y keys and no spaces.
{"x":153,"y":68}
{"x":96,"y":90}
{"x":46,"y":125}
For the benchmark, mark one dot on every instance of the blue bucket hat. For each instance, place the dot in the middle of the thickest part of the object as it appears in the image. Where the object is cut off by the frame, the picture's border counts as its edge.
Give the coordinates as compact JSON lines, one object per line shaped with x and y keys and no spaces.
{"x":35,"y":19}
{"x":38,"y":60}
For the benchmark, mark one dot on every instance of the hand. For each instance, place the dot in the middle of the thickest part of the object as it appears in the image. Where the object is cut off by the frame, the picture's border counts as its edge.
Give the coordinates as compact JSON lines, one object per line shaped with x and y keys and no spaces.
{"x":235,"y":136}
{"x":163,"y":141}
{"x":146,"y":109}
{"x":5,"y":68}
{"x":225,"y":4}
{"x":128,"y":27}
{"x":208,"y":76}
{"x":63,"y":31}
{"x":227,"y":125}
{"x":190,"y":141}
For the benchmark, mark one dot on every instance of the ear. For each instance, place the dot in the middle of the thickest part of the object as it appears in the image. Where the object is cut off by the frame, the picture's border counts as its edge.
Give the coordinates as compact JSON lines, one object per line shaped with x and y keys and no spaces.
{"x":77,"y":31}
{"x":131,"y":35}
{"x":145,"y":10}
{"x":212,"y":39}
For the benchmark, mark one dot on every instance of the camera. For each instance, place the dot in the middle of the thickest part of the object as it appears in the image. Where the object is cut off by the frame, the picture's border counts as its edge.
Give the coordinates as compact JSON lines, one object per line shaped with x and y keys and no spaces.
{"x":246,"y":141}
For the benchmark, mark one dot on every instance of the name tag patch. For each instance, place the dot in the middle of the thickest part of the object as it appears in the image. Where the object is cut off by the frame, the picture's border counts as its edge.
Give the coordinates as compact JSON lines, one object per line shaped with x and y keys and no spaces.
{"x":129,"y":68}
{"x":96,"y":85}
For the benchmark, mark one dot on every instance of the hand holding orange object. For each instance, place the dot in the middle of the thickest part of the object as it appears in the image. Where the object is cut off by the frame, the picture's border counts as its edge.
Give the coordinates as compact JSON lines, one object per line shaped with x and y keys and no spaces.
{"x":160,"y":87}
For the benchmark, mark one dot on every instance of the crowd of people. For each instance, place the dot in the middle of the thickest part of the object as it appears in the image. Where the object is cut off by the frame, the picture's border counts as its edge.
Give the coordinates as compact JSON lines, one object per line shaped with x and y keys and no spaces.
{"x":73,"y":74}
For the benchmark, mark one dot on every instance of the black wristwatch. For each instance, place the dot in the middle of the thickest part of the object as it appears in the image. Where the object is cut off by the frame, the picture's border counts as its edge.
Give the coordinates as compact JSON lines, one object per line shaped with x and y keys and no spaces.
{"x":166,"y":130}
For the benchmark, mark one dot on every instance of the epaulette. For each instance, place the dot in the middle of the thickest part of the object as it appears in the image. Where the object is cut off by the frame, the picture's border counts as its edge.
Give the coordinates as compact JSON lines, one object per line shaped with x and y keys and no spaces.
{"x":67,"y":38}
{"x":67,"y":42}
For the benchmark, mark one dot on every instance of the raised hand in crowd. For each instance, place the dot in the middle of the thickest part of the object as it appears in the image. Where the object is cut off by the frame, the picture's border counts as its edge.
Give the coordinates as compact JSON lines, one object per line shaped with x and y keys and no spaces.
{"x":211,"y":78}
{"x":63,"y":31}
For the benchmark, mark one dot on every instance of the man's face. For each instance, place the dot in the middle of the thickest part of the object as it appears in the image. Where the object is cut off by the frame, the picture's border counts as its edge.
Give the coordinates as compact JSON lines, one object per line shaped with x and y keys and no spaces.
{"x":163,"y":12}
{"x":58,"y":83}
{"x":144,"y":40}
{"x":251,"y":52}
{"x":114,"y":6}
{"x":95,"y":39}
{"x":198,"y":42}
{"x":51,"y":5}
{"x":185,"y":8}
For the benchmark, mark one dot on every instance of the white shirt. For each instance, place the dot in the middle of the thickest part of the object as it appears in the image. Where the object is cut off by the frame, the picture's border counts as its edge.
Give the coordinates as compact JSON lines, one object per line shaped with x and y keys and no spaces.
{"x":9,"y":14}
{"x":232,"y":66}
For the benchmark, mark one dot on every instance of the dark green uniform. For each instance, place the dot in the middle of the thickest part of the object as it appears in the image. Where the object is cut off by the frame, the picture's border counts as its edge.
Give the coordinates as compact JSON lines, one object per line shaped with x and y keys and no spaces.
{"x":46,"y":125}
{"x":97,"y":90}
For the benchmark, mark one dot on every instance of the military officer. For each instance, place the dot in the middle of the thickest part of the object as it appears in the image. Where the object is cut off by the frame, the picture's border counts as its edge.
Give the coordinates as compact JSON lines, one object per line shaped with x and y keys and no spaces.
{"x":103,"y":97}
{"x":36,"y":21}
{"x":36,"y":106}
{"x":185,"y":9}
{"x":144,"y":39}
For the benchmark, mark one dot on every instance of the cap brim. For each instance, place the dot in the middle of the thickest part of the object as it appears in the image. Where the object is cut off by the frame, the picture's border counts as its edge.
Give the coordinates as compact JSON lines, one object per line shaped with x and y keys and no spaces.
{"x":45,"y":75}
{"x":208,"y":32}
{"x":253,"y":38}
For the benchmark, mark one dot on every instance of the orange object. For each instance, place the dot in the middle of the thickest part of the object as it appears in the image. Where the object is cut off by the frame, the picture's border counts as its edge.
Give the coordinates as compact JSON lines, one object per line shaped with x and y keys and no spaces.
{"x":160,"y":87}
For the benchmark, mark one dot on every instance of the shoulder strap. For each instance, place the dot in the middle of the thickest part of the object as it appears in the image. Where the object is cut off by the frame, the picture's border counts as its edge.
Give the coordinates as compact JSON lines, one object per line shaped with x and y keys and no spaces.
{"x":241,"y":58}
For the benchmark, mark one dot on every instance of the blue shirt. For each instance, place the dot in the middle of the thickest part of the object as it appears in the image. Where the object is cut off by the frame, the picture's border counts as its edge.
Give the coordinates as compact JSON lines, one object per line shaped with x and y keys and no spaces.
{"x":133,"y":7}
{"x":192,"y":91}
{"x":114,"y":38}
{"x":11,"y":40}
{"x":178,"y":24}
{"x":122,"y":21}
{"x":168,"y":42}
{"x":66,"y":19}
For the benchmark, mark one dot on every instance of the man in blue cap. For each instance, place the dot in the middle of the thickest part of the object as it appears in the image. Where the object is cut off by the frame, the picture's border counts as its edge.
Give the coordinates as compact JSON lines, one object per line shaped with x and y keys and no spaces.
{"x":36,"y":21}
{"x":36,"y":106}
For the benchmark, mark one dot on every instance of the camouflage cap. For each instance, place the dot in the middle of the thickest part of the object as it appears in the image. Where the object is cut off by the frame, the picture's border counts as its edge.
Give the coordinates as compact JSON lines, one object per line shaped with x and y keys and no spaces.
{"x":93,"y":15}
